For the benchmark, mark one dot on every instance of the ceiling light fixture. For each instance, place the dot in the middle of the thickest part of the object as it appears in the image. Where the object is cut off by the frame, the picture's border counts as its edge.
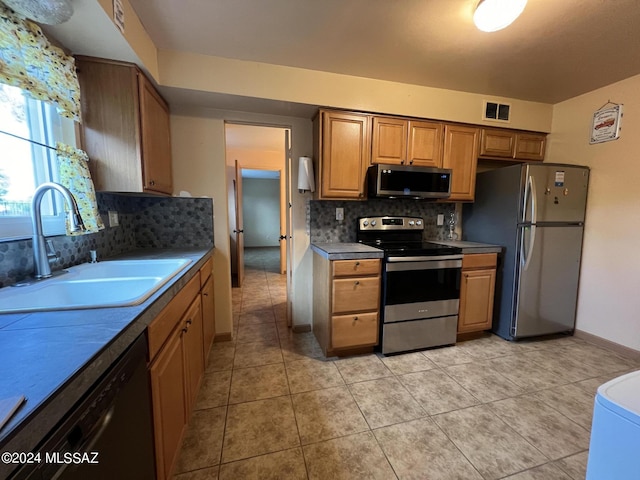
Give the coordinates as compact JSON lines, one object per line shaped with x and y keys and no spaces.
{"x":493,"y":15}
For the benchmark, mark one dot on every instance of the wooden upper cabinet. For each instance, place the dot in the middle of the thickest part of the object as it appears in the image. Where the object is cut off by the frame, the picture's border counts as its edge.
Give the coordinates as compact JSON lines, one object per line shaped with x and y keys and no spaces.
{"x":497,"y":143}
{"x":125,"y":128}
{"x":530,"y":146}
{"x":389,"y":141}
{"x":425,"y":144}
{"x":406,"y":142}
{"x":344,"y":148}
{"x":510,"y":144}
{"x":461,"y":156}
{"x":156,"y":139}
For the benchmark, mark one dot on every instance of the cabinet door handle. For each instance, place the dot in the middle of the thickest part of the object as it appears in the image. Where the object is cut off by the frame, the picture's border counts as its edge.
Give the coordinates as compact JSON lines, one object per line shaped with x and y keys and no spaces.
{"x":152,"y":183}
{"x":189,"y":322}
{"x":205,"y":294}
{"x":184,"y":330}
{"x":357,"y":264}
{"x":355,"y":319}
{"x":357,"y":282}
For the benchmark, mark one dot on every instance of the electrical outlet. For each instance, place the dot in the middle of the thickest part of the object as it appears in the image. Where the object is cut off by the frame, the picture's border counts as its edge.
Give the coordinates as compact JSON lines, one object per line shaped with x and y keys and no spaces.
{"x":339,"y":214}
{"x":440,"y":219}
{"x":113,"y":219}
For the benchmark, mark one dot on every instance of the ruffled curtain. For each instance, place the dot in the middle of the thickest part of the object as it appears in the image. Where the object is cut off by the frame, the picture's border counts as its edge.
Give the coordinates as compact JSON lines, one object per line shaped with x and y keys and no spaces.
{"x":29,"y":61}
{"x":74,"y":174}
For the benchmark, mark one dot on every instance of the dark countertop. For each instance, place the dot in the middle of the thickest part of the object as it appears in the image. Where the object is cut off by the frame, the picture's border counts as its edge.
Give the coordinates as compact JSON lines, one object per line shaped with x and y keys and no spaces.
{"x":346,"y":251}
{"x":470,"y":247}
{"x":54,"y":357}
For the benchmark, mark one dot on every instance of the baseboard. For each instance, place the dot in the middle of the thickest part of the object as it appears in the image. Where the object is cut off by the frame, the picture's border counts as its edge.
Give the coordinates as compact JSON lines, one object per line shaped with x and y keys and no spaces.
{"x":222,"y":337}
{"x":301,"y":328}
{"x":603,"y":342}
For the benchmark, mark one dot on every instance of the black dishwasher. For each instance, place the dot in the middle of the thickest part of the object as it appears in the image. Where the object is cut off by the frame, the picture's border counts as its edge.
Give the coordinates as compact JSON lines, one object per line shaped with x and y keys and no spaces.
{"x":113,"y":420}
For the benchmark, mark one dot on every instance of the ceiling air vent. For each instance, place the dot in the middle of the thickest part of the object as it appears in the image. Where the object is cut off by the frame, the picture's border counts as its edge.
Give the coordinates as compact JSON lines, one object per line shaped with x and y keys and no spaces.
{"x":498,"y":112}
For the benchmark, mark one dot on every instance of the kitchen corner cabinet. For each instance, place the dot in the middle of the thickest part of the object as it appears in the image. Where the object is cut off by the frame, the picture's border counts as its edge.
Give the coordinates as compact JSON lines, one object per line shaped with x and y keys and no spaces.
{"x":461,"y":156}
{"x":343,"y":148}
{"x":176,"y":366}
{"x":406,"y":142}
{"x":509,"y":144}
{"x":346,"y":303}
{"x":125,"y":128}
{"x":477,"y":288}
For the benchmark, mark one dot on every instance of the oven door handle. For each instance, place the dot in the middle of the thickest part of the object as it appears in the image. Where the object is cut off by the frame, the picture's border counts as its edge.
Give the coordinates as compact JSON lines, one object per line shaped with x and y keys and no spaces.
{"x":423,"y":258}
{"x":424,"y":265}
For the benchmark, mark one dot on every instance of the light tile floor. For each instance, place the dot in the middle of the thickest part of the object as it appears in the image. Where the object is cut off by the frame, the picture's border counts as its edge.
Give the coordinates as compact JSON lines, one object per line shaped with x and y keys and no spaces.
{"x":272,"y":407}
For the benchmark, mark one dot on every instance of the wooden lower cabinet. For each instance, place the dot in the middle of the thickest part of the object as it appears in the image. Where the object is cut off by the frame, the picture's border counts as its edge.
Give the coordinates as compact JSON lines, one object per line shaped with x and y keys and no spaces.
{"x":169,"y":404}
{"x":208,"y":317}
{"x":176,"y":367}
{"x":477,"y":288}
{"x":346,"y":303}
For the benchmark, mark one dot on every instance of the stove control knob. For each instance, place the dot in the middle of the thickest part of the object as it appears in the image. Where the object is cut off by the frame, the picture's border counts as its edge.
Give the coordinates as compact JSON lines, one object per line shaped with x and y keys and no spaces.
{"x":365,"y":223}
{"x":373,"y":223}
{"x":418,"y":222}
{"x":412,"y":223}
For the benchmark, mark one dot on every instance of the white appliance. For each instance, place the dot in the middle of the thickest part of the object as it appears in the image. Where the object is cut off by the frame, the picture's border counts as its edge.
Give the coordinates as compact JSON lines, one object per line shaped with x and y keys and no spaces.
{"x":536,"y":212}
{"x":614,"y":452}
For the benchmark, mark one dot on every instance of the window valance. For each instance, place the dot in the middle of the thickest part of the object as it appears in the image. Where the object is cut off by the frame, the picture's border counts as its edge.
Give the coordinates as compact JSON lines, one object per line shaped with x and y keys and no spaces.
{"x":29,"y":61}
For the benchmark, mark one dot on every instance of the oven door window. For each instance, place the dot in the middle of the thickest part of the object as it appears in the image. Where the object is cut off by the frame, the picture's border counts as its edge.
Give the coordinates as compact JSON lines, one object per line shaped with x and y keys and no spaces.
{"x":423,"y":285}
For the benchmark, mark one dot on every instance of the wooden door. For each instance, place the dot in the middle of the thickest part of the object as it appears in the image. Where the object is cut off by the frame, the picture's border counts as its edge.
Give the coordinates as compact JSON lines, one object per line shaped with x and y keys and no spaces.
{"x":476,"y":300}
{"x":156,"y":139}
{"x":389,"y":141}
{"x":425,"y":144}
{"x":239,"y":230}
{"x":169,"y":404}
{"x":346,"y":149}
{"x":461,"y":156}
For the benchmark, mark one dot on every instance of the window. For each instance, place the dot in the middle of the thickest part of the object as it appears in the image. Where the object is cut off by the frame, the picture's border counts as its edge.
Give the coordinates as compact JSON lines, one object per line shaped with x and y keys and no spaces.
{"x":26,"y":127}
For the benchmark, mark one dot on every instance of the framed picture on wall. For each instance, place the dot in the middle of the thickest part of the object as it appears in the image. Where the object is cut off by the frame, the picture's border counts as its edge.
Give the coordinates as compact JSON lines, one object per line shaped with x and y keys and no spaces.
{"x":606,"y":123}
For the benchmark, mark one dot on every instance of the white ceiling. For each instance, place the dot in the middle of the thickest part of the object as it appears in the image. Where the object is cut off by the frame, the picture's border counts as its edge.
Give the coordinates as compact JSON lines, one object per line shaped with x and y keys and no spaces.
{"x":556,"y":50}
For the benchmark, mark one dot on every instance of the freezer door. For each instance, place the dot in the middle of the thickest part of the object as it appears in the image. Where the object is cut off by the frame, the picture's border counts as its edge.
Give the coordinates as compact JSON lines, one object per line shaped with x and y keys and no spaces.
{"x":554,"y":193}
{"x":546,"y":284}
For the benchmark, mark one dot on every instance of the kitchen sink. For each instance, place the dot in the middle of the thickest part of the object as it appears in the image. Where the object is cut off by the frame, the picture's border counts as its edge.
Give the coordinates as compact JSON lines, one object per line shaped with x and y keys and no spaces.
{"x":117,"y":283}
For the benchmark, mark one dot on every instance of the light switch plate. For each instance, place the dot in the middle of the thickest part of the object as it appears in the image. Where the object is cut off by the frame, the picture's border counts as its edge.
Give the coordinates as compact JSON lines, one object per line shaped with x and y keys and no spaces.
{"x":113,"y":219}
{"x":440,"y":219}
{"x":339,"y":214}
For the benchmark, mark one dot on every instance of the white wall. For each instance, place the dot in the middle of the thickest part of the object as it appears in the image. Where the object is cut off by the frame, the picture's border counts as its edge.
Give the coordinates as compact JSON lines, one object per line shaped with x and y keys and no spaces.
{"x":261,"y":212}
{"x":609,"y":297}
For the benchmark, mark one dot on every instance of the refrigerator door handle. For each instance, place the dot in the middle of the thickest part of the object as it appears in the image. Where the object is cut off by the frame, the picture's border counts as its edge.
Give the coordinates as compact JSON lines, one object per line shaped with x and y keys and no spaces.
{"x":534,"y":202}
{"x":532,"y":240}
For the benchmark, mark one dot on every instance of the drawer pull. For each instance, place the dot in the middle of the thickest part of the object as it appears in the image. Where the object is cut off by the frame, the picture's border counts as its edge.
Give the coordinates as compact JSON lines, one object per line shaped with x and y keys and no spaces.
{"x":357,"y":264}
{"x":357,"y":282}
{"x":355,"y":319}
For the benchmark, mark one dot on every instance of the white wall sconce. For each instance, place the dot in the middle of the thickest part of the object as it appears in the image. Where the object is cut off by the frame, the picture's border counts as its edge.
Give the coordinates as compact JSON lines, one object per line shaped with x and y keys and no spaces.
{"x":306,"y":181}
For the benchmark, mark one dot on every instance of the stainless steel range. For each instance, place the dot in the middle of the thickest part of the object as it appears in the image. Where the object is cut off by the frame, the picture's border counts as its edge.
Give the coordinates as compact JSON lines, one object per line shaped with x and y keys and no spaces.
{"x":420,"y":284}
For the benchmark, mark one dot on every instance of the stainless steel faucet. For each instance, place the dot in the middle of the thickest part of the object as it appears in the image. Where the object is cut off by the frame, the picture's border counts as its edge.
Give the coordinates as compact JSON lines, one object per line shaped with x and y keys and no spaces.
{"x":40,"y":257}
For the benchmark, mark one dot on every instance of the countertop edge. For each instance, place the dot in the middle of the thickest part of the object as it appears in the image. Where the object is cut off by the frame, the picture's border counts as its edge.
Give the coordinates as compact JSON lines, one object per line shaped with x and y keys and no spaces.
{"x":346,"y":251}
{"x":24,"y":435}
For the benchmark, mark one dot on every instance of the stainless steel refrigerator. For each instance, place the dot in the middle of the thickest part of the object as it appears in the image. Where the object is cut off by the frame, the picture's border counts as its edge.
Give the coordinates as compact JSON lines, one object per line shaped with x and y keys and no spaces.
{"x":536,"y":212}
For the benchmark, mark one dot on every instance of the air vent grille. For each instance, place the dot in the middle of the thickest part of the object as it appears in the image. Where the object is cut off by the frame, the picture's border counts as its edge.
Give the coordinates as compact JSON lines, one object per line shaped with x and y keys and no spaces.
{"x":499,"y":112}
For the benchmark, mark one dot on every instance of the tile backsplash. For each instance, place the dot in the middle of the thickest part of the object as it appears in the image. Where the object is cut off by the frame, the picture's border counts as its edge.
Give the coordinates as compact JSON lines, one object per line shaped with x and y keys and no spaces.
{"x":325,"y":228}
{"x":144,"y":222}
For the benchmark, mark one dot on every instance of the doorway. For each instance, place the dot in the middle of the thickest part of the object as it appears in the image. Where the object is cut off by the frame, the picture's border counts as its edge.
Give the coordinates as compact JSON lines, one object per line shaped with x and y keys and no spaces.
{"x":257,"y":177}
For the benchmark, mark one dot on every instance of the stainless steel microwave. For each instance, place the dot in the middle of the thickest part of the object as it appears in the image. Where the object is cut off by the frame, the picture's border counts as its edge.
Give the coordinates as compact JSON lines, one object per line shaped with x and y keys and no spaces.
{"x":399,"y":181}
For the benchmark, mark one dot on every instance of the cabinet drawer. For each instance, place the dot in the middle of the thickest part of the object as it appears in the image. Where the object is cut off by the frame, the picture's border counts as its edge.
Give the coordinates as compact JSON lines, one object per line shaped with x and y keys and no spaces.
{"x":355,"y":294}
{"x":348,"y":268}
{"x":159,"y":329}
{"x":357,"y":330}
{"x":479,"y":260}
